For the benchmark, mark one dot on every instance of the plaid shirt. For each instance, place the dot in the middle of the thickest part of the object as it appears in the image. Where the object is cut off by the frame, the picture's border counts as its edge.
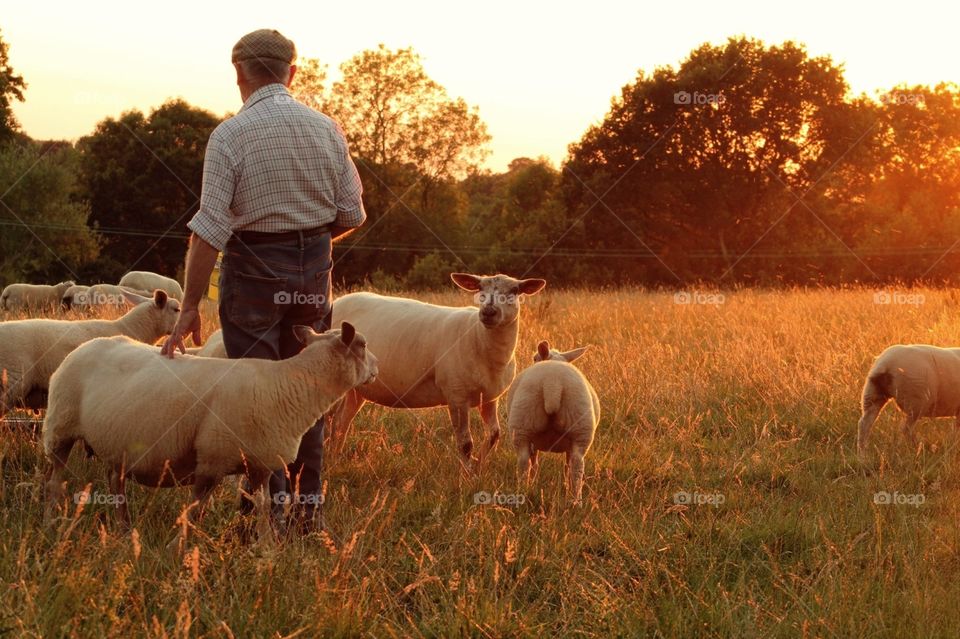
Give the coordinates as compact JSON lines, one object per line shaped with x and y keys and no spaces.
{"x":276,"y":166}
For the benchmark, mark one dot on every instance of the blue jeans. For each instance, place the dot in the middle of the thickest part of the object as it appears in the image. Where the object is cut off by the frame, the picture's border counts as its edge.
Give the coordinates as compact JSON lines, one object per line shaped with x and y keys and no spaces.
{"x":265,"y":290}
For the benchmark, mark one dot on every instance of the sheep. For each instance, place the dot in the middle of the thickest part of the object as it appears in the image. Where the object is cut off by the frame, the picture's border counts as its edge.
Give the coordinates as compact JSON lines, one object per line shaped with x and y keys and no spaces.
{"x":127,"y":403}
{"x":432,"y":355}
{"x":552,"y":407}
{"x":923,"y":380}
{"x":213,"y":347}
{"x":17,"y":297}
{"x":31,"y":350}
{"x":111,"y":295}
{"x":75,"y":296}
{"x":147,"y":281}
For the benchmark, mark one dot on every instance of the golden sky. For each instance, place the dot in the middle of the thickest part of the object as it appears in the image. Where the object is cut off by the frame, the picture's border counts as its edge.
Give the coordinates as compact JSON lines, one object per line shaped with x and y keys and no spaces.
{"x":540,"y":72}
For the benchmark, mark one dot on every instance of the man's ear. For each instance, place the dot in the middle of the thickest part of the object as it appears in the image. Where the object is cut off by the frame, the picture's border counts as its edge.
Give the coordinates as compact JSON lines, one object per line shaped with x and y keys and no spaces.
{"x":293,"y":72}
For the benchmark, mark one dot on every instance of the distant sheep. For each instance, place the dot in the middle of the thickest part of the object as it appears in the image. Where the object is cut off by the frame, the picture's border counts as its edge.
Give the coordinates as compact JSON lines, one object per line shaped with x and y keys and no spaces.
{"x":193,"y":420}
{"x":32,"y":349}
{"x":75,"y":296}
{"x":20,"y":297}
{"x":147,"y":281}
{"x":552,"y":407}
{"x":110,"y":295}
{"x":439,"y":355}
{"x":923,"y":380}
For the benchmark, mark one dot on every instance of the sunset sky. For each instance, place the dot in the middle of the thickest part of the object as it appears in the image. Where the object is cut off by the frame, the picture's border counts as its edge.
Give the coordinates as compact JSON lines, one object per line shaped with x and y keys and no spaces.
{"x":540,"y":72}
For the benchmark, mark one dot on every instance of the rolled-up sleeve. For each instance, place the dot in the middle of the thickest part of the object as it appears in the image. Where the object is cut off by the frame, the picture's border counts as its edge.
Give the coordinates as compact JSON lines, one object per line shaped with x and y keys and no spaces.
{"x":350,"y":212}
{"x":213,"y":222}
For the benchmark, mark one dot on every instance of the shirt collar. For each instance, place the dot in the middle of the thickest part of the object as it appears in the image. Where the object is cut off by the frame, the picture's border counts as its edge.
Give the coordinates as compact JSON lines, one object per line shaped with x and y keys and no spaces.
{"x":264,"y":92}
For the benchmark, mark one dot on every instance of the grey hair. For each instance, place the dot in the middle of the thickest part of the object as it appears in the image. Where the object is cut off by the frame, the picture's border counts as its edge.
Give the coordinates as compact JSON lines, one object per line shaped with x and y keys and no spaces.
{"x":265,"y":70}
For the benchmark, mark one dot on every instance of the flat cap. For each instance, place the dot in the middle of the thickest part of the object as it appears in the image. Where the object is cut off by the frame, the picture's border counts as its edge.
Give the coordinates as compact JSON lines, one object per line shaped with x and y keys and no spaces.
{"x":264,"y":44}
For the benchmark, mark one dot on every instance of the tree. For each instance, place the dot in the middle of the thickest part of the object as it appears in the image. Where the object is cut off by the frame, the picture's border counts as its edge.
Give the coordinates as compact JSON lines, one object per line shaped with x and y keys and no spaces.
{"x":308,"y":84}
{"x":11,"y":88}
{"x":696,"y":166}
{"x":44,"y":236}
{"x":142,"y":175}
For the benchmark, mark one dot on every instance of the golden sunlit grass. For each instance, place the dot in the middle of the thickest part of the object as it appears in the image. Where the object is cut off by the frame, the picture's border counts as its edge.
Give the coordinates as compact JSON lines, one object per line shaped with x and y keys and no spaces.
{"x":755,"y":399}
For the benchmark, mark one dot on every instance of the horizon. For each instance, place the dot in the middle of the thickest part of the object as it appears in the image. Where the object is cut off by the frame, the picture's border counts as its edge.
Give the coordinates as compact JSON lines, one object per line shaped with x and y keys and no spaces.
{"x":531,"y":110}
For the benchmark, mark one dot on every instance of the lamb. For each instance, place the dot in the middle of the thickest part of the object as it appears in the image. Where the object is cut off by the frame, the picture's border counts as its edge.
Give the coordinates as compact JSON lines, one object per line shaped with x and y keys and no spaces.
{"x":438,"y":355}
{"x":147,"y":281}
{"x":127,"y":403}
{"x":75,"y":296}
{"x":213,"y":347}
{"x":32,"y":349}
{"x":16,"y":297}
{"x":923,"y":380}
{"x":552,"y":407}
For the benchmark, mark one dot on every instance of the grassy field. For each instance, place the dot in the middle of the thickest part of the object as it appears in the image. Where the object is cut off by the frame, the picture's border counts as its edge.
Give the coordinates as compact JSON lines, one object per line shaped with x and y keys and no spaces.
{"x":747,"y":401}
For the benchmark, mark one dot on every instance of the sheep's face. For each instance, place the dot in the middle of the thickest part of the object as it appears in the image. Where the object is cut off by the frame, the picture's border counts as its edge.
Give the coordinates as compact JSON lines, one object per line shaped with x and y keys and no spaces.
{"x":497,"y":296}
{"x":164,"y":308}
{"x":545,"y":353}
{"x":359,"y":365}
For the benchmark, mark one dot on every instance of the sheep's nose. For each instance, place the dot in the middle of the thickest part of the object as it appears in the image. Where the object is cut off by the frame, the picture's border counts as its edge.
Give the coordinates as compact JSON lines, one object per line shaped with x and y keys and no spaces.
{"x":488,"y":311}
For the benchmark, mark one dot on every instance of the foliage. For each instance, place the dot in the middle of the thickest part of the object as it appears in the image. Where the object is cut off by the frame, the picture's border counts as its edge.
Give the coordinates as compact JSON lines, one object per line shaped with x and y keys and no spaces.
{"x":11,"y":88}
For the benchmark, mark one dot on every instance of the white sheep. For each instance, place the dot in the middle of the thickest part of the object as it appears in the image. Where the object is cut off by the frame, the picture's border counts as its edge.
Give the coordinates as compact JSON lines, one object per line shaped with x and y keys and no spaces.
{"x":75,"y":296}
{"x":148,"y":281}
{"x":194,"y":420}
{"x":212,"y":347}
{"x":111,"y":295}
{"x":32,"y":349}
{"x":16,"y":297}
{"x":433,"y":355}
{"x":923,"y":380}
{"x":552,"y":407}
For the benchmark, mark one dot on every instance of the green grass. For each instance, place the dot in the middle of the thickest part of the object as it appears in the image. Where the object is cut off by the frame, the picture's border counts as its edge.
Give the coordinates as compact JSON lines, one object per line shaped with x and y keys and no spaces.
{"x":755,"y":399}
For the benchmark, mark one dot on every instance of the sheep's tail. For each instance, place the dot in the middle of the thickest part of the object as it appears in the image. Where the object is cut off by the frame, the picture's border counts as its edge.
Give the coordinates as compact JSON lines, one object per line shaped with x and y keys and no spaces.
{"x":878,"y":388}
{"x":552,"y":398}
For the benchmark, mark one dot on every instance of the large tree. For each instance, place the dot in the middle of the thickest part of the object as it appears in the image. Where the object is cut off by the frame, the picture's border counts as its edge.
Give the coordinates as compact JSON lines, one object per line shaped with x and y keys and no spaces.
{"x":11,"y":88}
{"x":697,"y":166}
{"x":142,"y":176}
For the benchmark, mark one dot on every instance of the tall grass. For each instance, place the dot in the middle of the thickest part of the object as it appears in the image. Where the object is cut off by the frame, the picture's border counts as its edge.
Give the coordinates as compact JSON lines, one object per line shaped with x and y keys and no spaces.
{"x":754,"y":399}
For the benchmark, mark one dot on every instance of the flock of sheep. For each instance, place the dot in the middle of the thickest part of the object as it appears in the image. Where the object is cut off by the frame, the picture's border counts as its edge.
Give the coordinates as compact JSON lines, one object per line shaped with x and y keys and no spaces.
{"x":199,"y":417}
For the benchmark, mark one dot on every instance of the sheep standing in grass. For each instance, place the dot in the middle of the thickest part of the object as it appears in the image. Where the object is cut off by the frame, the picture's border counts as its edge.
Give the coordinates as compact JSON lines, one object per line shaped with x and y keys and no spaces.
{"x":438,"y":355}
{"x":32,"y":349}
{"x":923,"y":380}
{"x":147,"y":281}
{"x":17,"y":297}
{"x":552,"y":407}
{"x":193,"y":420}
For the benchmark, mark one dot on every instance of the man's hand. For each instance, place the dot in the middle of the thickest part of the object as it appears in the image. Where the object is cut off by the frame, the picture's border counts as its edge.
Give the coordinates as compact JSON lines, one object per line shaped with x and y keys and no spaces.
{"x":188,"y":322}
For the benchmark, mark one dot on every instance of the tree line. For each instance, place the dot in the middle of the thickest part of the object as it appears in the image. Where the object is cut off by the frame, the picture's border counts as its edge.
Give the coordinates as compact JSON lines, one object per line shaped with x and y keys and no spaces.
{"x":747,"y":163}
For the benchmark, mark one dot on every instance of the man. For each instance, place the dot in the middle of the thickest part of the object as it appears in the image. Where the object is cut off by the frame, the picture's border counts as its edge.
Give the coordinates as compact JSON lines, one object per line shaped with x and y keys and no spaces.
{"x":278,"y":187}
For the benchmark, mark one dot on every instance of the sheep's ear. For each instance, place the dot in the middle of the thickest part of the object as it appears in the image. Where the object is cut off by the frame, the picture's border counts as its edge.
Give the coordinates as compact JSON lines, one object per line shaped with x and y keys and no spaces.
{"x":466,"y":281}
{"x":160,"y":298}
{"x":132,"y":298}
{"x":347,"y":333}
{"x":543,"y":351}
{"x":575,"y":354}
{"x":531,"y":286}
{"x":303,"y":333}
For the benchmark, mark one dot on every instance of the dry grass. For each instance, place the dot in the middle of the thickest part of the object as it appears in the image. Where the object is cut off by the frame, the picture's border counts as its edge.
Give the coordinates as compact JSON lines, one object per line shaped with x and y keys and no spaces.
{"x":755,"y":399}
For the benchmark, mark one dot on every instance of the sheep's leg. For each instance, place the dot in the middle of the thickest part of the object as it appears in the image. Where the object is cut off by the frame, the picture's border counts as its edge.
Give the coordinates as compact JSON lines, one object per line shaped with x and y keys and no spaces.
{"x":575,"y":473}
{"x":534,"y":463}
{"x":871,"y":410}
{"x":55,"y":482}
{"x":202,"y":489}
{"x":118,"y":487}
{"x":260,"y":489}
{"x":9,"y":394}
{"x":339,"y":426}
{"x":460,"y":417}
{"x":488,"y":413}
{"x":523,"y":463}
{"x":907,"y":428}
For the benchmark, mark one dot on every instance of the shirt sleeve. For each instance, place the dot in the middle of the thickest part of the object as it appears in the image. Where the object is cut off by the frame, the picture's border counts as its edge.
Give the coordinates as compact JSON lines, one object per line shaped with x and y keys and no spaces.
{"x":350,"y":212}
{"x":213,"y":222}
